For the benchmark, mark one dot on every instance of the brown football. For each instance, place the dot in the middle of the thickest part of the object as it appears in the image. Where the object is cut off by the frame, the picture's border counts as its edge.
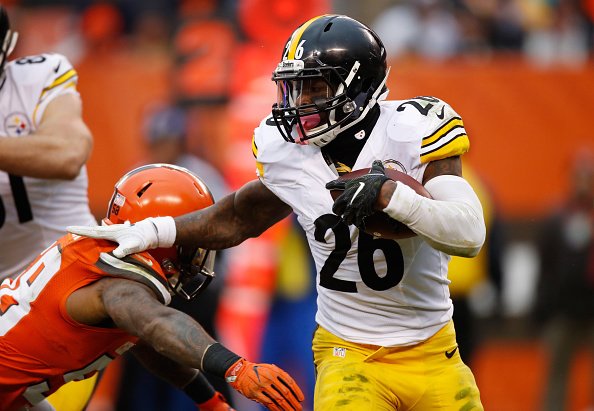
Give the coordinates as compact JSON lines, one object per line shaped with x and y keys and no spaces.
{"x":380,"y":224}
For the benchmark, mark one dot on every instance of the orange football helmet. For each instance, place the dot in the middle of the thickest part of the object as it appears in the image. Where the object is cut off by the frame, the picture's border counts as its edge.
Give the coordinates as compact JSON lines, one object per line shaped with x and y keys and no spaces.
{"x":166,"y":190}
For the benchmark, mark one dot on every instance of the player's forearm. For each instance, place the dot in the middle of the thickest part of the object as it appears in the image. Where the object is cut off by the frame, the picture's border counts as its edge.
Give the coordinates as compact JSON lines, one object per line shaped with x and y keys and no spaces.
{"x":243,"y":214}
{"x":190,"y":380}
{"x":451,"y":222}
{"x":216,"y":227}
{"x":177,"y":336}
{"x":171,"y":333}
{"x":164,"y":367}
{"x":44,"y":156}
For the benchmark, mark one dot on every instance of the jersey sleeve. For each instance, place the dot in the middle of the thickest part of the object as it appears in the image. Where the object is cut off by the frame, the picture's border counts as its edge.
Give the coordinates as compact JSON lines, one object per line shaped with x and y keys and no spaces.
{"x":259,"y":165}
{"x":136,"y":267}
{"x":278,"y":162}
{"x":273,"y":155}
{"x":446,"y":135}
{"x":58,"y":77}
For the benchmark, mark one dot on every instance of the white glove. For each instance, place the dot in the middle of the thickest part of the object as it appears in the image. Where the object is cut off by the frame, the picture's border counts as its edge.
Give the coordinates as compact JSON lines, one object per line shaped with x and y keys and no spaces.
{"x":153,"y":232}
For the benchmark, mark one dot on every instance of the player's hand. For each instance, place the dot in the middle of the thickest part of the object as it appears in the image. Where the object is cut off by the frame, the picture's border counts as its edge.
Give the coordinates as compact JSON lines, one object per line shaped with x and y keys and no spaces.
{"x":266,"y":384}
{"x":153,"y":232}
{"x":216,"y":403}
{"x":359,"y":196}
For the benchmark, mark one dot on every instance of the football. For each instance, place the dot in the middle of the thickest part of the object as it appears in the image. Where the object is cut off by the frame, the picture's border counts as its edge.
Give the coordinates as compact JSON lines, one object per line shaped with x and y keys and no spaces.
{"x":380,"y":224}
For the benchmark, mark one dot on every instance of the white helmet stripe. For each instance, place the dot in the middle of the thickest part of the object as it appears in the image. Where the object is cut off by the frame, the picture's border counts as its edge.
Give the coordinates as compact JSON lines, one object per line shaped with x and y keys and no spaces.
{"x":9,"y":42}
{"x":374,"y":99}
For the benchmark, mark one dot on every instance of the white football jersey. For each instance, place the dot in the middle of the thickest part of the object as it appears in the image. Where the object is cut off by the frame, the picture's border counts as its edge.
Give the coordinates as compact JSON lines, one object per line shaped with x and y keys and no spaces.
{"x":35,"y":212}
{"x":370,"y":290}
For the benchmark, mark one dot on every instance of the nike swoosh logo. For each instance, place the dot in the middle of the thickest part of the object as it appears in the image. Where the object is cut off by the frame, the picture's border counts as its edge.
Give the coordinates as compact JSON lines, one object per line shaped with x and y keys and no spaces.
{"x":57,"y":67}
{"x":256,"y":372}
{"x":450,"y":354}
{"x":442,"y":114}
{"x":361,"y":185}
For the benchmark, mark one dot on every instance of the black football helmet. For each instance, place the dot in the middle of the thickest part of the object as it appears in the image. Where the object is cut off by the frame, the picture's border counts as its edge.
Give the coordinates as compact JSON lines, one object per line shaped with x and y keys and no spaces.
{"x":8,"y":38}
{"x":332,"y":72}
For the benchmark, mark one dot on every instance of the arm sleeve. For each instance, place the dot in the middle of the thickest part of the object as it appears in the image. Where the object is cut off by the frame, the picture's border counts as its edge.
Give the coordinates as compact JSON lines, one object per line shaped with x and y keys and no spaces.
{"x":451,"y":222}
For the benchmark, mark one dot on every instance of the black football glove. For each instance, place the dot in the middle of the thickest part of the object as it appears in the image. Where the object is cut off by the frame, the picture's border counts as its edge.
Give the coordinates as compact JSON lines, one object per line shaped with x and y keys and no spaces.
{"x":359,"y":196}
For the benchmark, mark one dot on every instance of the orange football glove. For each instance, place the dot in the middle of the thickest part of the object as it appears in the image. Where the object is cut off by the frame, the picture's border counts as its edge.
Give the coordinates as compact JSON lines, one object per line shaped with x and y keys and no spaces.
{"x":216,"y":403}
{"x":266,"y":384}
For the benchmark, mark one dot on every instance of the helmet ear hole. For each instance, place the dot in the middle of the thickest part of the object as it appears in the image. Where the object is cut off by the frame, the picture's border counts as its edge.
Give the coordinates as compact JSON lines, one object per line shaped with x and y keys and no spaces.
{"x":143,"y":189}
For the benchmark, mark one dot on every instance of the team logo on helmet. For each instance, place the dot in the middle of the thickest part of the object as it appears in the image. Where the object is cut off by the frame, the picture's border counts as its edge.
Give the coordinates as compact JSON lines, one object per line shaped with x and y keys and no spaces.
{"x":118,"y":202}
{"x":17,"y":124}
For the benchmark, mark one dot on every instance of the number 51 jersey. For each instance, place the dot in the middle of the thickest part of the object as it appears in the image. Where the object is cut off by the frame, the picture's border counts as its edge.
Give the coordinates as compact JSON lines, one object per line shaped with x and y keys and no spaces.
{"x":370,"y":290}
{"x":33,"y":211}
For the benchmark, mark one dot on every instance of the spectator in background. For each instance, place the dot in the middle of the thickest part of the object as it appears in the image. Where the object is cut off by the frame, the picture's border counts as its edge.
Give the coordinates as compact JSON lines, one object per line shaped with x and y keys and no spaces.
{"x":425,"y":27}
{"x":562,"y":39}
{"x":506,"y":26}
{"x":566,"y":288}
{"x":165,"y":131}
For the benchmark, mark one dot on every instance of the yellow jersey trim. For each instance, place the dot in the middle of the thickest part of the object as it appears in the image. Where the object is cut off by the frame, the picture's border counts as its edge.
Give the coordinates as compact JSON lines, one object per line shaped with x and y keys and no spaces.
{"x":454,"y":122}
{"x":71,"y":85}
{"x":260,"y":168}
{"x":456,"y":147}
{"x":254,"y":146}
{"x":61,"y":80}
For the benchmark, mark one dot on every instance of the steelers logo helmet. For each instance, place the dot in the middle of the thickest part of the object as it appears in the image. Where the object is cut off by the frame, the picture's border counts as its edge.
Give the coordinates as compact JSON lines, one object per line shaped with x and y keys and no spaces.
{"x":332,"y":72}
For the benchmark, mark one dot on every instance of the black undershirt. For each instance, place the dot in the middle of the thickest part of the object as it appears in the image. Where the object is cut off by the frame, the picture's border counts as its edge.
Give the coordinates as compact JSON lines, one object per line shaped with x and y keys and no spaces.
{"x":345,"y":148}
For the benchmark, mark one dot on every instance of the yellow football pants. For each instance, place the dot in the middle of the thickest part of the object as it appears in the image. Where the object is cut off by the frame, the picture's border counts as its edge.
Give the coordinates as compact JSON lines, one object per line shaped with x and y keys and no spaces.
{"x":426,"y":376}
{"x":73,"y":396}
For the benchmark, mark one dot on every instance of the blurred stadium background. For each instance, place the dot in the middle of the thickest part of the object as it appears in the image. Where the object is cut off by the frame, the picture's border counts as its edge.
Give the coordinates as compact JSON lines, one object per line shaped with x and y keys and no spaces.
{"x":519,"y":72}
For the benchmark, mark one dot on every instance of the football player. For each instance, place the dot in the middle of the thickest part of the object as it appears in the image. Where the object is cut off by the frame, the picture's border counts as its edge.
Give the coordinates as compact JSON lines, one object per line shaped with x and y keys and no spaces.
{"x":44,"y":145}
{"x":77,"y":306}
{"x":385,"y":339}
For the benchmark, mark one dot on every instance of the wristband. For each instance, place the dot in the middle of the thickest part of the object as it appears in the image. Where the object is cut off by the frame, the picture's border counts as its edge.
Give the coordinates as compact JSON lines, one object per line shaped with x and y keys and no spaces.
{"x":166,"y":231}
{"x":217,"y":360}
{"x":199,"y":389}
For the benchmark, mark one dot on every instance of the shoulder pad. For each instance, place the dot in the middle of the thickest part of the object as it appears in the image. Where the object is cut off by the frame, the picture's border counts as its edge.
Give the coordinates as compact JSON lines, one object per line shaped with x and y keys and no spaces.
{"x":268,"y":146}
{"x":137,"y":267}
{"x":445,"y":134}
{"x":47,"y":69}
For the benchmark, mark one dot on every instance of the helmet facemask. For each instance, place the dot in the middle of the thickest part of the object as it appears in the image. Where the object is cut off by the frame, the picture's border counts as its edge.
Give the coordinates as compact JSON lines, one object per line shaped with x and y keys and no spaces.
{"x":310,"y":101}
{"x":8,"y":39}
{"x":314,"y":104}
{"x":191,"y":272}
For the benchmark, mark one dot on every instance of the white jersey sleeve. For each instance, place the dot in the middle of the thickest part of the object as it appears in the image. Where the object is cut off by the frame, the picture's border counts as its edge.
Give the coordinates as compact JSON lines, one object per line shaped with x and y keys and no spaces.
{"x":40,"y":79}
{"x":35,"y":212}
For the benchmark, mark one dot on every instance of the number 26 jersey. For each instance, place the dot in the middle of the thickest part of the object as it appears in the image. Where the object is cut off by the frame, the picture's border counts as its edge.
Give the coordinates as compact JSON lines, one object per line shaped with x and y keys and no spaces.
{"x":370,"y":290}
